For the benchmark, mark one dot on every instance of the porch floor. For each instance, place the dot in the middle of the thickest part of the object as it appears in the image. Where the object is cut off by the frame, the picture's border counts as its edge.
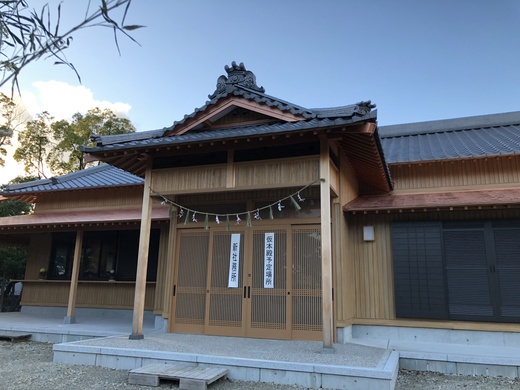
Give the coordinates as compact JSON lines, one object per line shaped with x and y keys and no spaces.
{"x":52,"y":329}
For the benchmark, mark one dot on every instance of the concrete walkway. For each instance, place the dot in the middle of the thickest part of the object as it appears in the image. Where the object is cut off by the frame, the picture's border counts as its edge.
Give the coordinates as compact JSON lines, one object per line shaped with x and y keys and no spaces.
{"x":105,"y":342}
{"x":288,"y":362}
{"x":369,"y":360}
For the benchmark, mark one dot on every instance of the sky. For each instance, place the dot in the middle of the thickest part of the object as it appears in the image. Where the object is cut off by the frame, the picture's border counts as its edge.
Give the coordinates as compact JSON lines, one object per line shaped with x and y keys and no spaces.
{"x":416,"y":60}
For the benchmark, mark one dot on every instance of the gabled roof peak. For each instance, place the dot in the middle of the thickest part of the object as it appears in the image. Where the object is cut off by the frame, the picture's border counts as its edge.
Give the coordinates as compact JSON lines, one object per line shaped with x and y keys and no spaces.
{"x":237,"y":76}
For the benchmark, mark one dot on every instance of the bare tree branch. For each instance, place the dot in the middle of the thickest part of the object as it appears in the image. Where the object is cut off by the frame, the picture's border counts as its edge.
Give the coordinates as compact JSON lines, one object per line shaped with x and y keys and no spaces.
{"x":28,"y":35}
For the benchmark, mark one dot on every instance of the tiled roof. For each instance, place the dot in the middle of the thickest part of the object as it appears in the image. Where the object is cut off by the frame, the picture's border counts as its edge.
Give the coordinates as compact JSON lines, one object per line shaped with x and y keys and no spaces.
{"x":239,"y":82}
{"x":107,"y":143}
{"x":99,"y":176}
{"x":478,"y":136}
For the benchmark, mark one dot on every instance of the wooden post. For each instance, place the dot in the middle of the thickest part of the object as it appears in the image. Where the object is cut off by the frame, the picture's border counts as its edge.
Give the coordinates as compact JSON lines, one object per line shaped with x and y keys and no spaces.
{"x":73,"y":291}
{"x":326,"y":245}
{"x":142,"y":257}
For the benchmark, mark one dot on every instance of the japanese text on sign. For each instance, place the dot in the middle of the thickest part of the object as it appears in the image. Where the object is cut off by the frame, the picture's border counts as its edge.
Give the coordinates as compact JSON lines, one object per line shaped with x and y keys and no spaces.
{"x":234,"y":261}
{"x":269,"y":260}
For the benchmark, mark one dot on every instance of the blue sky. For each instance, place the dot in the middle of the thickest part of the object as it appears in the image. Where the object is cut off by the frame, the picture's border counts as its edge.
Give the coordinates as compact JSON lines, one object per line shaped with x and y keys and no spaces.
{"x":416,"y":60}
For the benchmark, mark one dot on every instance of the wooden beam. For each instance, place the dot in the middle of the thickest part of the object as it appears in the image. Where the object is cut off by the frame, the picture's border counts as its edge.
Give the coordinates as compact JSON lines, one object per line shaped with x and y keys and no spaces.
{"x":73,"y":292}
{"x":142,"y":257}
{"x":326,"y":244}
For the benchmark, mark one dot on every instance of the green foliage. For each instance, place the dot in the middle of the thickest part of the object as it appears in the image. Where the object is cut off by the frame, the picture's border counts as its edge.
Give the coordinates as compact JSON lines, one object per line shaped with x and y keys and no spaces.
{"x":27,"y":35}
{"x":65,"y":155}
{"x":57,"y":143}
{"x":12,"y":116}
{"x":12,"y":262}
{"x":9,"y":208}
{"x":34,"y":142}
{"x":23,"y":179}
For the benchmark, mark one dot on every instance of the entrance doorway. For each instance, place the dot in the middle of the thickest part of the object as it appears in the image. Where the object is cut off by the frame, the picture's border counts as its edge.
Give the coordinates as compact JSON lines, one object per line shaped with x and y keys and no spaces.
{"x":249,"y":282}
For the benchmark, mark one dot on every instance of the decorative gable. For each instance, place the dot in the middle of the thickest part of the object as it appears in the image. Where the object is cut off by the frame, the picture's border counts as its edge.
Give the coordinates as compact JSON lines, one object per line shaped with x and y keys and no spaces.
{"x":242,"y":116}
{"x":238,"y":101}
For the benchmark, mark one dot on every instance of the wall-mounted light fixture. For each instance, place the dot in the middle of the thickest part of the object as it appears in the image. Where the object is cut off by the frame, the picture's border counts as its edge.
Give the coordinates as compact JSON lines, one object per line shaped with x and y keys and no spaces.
{"x":368,"y":233}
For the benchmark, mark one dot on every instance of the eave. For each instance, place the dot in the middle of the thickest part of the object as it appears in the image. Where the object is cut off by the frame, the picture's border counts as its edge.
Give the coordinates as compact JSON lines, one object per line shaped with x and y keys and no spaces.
{"x":361,"y":147}
{"x":435,"y":201}
{"x":74,"y":219}
{"x":131,"y":156}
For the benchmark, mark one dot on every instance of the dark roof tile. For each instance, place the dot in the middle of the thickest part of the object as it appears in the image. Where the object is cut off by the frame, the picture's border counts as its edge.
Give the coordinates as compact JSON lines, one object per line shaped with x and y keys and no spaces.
{"x":480,"y":136}
{"x":99,"y":176}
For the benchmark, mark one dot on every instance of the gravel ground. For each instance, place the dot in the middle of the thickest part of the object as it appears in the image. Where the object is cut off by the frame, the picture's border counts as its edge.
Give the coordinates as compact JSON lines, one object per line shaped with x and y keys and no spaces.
{"x":28,"y":366}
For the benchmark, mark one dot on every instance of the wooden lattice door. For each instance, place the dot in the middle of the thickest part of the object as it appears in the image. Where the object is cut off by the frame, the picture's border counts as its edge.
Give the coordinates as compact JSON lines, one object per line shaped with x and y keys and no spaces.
{"x":306,"y":283}
{"x":189,"y":291}
{"x":268,"y":295}
{"x":277,"y":292}
{"x":225,"y":304}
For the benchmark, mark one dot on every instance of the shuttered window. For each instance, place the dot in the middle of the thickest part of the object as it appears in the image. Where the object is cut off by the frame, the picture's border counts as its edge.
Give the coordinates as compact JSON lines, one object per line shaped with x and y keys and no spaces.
{"x":466,"y":270}
{"x":507,"y":270}
{"x":418,"y":270}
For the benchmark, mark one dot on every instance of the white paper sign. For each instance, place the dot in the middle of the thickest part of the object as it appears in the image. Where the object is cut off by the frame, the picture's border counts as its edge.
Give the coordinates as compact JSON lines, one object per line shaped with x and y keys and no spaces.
{"x":269,"y":260}
{"x":234,"y":261}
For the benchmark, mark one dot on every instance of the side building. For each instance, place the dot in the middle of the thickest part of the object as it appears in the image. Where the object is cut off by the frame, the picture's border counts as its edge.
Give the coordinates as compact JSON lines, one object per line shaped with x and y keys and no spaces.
{"x":446,"y":252}
{"x":100,"y":207}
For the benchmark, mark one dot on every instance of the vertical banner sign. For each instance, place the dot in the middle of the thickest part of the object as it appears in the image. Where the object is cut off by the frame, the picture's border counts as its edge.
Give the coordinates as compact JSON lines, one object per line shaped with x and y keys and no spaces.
{"x":234,"y":261}
{"x":269,"y":260}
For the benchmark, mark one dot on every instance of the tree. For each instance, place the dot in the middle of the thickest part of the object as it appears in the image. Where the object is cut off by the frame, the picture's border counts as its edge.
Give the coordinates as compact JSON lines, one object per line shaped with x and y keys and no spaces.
{"x":27,"y":35}
{"x":65,"y":155}
{"x":11,"y":207}
{"x":34,"y":143}
{"x":57,"y":144}
{"x":12,"y":257}
{"x":13,"y":116}
{"x":12,"y":266}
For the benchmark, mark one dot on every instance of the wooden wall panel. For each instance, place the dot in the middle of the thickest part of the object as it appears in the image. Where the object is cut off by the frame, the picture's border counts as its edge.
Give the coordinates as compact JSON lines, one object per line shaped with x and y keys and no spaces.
{"x":467,"y":174}
{"x":344,"y":258}
{"x":247,"y":176}
{"x":277,"y":173}
{"x":182,"y":180}
{"x":106,"y":295}
{"x":71,"y":200}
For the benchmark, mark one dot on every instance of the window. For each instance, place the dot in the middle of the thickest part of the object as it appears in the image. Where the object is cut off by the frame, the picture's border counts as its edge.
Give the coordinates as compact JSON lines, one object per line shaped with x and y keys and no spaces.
{"x":102,"y":252}
{"x":460,"y":270}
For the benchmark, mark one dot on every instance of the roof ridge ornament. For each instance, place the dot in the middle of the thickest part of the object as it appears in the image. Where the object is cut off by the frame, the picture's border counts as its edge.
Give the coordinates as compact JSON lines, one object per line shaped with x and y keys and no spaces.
{"x":363,"y":108}
{"x":237,"y":75}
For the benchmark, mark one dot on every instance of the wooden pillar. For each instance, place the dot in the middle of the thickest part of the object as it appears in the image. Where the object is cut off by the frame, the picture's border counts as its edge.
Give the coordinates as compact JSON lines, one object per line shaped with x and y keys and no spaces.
{"x":73,"y":292}
{"x":142,"y":257}
{"x":326,"y":245}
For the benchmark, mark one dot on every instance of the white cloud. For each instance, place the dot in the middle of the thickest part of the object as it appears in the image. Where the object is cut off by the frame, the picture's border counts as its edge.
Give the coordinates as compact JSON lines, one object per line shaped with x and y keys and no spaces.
{"x":61,"y":100}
